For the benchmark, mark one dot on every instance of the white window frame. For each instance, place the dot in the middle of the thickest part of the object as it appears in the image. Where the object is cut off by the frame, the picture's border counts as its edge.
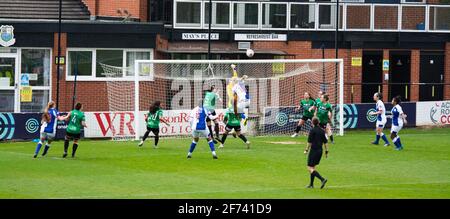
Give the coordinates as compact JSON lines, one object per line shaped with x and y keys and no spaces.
{"x":93,"y":76}
{"x":371,"y":17}
{"x":214,"y":16}
{"x":401,"y":17}
{"x":333,"y":15}
{"x":398,"y":17}
{"x":247,"y":27}
{"x":427,"y":19}
{"x":406,"y":2}
{"x":49,"y":87}
{"x":188,"y":25}
{"x":315,"y":16}
{"x":268,"y":17}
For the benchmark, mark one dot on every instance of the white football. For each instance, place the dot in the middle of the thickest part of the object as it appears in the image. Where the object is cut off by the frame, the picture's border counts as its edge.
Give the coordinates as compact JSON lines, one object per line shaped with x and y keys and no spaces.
{"x":250,"y":52}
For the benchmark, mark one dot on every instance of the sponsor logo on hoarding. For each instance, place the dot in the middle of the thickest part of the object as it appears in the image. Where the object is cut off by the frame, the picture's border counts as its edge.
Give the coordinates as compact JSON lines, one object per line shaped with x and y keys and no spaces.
{"x":106,"y":123}
{"x":7,"y":126}
{"x":371,"y":118}
{"x":350,"y":116}
{"x":440,"y":113}
{"x":282,"y":119}
{"x":31,"y":125}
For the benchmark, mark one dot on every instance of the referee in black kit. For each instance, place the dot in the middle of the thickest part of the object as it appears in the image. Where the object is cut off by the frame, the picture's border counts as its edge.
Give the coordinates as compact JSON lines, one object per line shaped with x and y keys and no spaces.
{"x":316,"y":139}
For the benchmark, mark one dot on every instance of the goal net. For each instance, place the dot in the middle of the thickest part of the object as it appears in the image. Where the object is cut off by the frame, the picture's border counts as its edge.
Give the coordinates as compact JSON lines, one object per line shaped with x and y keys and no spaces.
{"x":274,"y":89}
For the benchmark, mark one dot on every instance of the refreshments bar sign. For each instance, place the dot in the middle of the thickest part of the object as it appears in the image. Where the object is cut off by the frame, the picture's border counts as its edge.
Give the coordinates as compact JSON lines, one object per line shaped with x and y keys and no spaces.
{"x":260,"y":37}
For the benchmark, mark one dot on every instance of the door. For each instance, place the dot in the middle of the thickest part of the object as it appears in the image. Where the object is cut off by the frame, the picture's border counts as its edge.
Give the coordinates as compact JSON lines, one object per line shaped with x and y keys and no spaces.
{"x":432,"y":75}
{"x":372,"y":75}
{"x":400,"y":75}
{"x":8,"y":83}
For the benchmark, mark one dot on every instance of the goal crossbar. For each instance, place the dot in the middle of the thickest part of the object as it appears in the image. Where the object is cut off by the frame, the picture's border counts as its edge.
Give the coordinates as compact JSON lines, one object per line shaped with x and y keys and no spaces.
{"x":339,"y":64}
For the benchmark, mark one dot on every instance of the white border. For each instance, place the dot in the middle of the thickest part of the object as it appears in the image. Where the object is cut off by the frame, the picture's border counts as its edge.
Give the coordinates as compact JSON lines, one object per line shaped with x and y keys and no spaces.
{"x":344,"y":5}
{"x":93,"y":76}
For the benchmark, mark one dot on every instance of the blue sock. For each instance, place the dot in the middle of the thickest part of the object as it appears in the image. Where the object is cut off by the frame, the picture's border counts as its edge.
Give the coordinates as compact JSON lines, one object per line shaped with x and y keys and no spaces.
{"x":211,"y":145}
{"x":397,"y":142}
{"x":243,"y":115}
{"x":38,"y":148}
{"x":377,"y":138}
{"x":383,"y":136}
{"x":193,"y":144}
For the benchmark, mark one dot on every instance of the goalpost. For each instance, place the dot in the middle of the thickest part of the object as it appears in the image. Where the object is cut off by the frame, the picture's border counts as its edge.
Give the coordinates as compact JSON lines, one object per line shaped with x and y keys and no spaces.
{"x":275,"y":88}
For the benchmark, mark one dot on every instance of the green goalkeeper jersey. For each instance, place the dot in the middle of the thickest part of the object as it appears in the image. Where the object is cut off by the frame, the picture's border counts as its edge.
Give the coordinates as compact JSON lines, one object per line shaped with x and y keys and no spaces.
{"x":232,"y":119}
{"x":306,"y":104}
{"x":153,"y":119}
{"x":322,"y":112}
{"x":318,"y":101}
{"x":210,"y":100}
{"x":74,"y":126}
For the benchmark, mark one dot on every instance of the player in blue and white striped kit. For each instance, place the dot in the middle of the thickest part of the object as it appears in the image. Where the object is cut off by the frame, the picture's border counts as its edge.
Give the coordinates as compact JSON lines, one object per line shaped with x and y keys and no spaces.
{"x":197,"y":119}
{"x":48,"y":128}
{"x":398,"y":120}
{"x":381,"y":119}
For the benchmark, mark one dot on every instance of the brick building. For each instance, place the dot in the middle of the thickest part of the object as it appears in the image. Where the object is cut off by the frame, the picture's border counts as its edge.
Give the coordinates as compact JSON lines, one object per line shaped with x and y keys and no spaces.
{"x":413,"y":35}
{"x":97,"y":36}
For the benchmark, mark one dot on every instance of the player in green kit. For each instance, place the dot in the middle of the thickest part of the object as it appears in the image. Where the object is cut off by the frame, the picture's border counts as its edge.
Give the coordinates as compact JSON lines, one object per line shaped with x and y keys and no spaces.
{"x":233,"y":121}
{"x":152,"y":118}
{"x":209,"y":103}
{"x":76,"y":121}
{"x":307,"y":104}
{"x":324,"y":114}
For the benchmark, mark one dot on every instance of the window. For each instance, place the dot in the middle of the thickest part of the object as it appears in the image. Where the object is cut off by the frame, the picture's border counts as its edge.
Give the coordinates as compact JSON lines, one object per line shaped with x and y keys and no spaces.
{"x":439,"y":18}
{"x":413,"y":1}
{"x":303,"y":16}
{"x":188,"y":14}
{"x":80,"y":63}
{"x":327,"y":16}
{"x":38,"y":102}
{"x":109,"y":63}
{"x":274,"y":15}
{"x":36,"y":63}
{"x":131,"y":58}
{"x":413,"y":17}
{"x":220,"y":15}
{"x":245,"y":15}
{"x":358,"y":16}
{"x":7,"y":100}
{"x":386,"y":17}
{"x":104,"y":64}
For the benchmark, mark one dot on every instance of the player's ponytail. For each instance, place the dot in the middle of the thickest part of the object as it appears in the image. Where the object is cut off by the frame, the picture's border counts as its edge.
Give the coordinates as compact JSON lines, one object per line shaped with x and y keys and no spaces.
{"x":46,"y":115}
{"x":155,"y":107}
{"x":309,"y":95}
{"x":379,"y":95}
{"x":398,"y":99}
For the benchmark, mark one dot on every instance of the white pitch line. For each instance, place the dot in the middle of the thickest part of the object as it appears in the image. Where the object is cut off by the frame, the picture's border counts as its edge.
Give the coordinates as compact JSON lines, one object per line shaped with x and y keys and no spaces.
{"x":238,"y":191}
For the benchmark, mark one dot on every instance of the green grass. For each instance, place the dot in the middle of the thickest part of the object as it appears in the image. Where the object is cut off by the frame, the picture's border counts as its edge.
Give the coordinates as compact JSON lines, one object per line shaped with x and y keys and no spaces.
{"x":355,"y":169}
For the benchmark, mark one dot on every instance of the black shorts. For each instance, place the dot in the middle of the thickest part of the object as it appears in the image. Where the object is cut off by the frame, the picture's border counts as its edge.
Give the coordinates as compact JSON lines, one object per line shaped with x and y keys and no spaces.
{"x":212,"y":113}
{"x":154,"y":130}
{"x":236,"y":128}
{"x":306,"y":118}
{"x":73,"y":136}
{"x":314,"y":157}
{"x":322,"y":125}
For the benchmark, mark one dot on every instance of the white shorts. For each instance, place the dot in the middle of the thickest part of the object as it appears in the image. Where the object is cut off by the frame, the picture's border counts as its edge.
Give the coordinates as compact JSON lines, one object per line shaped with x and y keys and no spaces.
{"x":396,"y":128}
{"x":200,"y":133}
{"x":242,"y":105}
{"x":380,"y":124}
{"x":47,"y":136}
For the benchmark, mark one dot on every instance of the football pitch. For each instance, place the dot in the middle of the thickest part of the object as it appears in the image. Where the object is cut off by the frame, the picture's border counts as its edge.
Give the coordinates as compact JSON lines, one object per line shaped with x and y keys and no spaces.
{"x":274,"y":167}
